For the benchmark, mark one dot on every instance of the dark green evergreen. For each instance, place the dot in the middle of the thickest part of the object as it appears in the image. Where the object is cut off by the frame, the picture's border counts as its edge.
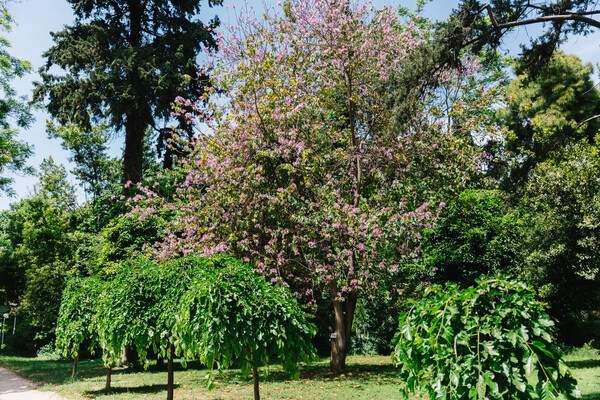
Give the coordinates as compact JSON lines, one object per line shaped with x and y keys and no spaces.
{"x":126,"y":62}
{"x":482,"y":25}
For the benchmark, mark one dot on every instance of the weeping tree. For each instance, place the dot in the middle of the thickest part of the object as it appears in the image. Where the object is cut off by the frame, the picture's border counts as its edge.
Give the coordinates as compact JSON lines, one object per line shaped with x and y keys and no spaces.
{"x":214,"y":309}
{"x":231,"y":313}
{"x":491,"y":340}
{"x":138,"y":307}
{"x":75,"y":324}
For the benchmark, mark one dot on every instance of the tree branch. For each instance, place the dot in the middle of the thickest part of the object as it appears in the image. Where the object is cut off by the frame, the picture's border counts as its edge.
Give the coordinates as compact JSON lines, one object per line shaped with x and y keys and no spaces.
{"x":562,"y":17}
{"x":581,"y":17}
{"x":587,"y":120}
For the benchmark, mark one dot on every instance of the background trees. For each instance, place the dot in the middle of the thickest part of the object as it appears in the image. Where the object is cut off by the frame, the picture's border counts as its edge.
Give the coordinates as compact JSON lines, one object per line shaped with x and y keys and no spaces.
{"x":95,"y":170}
{"x":338,"y":133}
{"x":14,"y":111}
{"x":546,"y":114}
{"x":485,"y":24}
{"x":125,"y":63}
{"x":41,"y":236}
{"x":476,"y":235}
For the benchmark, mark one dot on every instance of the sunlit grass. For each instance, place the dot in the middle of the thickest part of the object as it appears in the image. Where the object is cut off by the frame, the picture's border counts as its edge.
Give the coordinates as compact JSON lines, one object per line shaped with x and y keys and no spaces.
{"x":367,"y":377}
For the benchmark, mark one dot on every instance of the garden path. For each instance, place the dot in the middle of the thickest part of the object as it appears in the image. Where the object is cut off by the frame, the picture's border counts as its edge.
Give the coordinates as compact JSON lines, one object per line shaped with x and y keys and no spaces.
{"x":13,"y":387}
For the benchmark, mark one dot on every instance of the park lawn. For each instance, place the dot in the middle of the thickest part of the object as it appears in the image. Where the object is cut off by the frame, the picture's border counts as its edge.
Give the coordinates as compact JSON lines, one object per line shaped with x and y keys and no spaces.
{"x":367,"y":377}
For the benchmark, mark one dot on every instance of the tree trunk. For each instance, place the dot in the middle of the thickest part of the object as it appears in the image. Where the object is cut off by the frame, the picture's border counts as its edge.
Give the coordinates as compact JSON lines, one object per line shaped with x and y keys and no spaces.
{"x":75,"y":364}
{"x":344,"y":316}
{"x":256,"y":383}
{"x":133,"y":156}
{"x":170,"y":372}
{"x":108,"y":377}
{"x":139,"y":115}
{"x":127,"y":355}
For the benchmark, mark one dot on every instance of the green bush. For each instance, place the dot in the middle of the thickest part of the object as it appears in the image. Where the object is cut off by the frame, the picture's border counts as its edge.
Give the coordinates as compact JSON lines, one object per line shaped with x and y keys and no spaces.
{"x":477,"y":234}
{"x":484,"y":341}
{"x":23,"y":342}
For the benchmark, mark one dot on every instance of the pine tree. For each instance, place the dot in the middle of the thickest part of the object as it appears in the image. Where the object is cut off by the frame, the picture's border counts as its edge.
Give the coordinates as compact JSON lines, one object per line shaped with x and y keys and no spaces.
{"x":125,"y":62}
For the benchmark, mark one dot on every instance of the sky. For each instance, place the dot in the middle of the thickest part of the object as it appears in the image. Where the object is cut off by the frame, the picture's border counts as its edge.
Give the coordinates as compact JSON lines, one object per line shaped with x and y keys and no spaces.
{"x":37,"y":18}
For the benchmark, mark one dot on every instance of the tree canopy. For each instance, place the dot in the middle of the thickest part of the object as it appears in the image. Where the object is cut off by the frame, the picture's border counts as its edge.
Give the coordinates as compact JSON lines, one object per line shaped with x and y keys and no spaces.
{"x":125,"y":62}
{"x":304,"y":176}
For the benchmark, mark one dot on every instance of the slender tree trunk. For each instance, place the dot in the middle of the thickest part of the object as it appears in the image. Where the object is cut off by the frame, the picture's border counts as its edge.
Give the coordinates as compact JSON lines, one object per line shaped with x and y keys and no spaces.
{"x":256,"y":383}
{"x":344,"y":316}
{"x":255,"y":378}
{"x":108,"y":377}
{"x":170,"y":372}
{"x":75,"y":364}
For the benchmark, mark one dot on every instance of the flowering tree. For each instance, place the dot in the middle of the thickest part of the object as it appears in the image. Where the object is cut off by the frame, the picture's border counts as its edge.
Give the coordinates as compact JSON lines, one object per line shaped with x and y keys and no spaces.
{"x":302,"y":175}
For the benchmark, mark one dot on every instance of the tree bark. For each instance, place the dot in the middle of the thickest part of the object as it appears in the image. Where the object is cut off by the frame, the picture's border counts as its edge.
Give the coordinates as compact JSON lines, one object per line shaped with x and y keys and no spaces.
{"x":344,"y":316}
{"x":256,"y":383}
{"x":127,"y":355}
{"x":133,"y":156}
{"x":139,"y":115}
{"x":170,"y":379}
{"x":108,"y":377}
{"x":75,"y":364}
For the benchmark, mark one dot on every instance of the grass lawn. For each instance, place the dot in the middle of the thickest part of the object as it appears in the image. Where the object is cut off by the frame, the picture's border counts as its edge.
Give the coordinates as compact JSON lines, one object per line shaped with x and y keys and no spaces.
{"x":367,"y":377}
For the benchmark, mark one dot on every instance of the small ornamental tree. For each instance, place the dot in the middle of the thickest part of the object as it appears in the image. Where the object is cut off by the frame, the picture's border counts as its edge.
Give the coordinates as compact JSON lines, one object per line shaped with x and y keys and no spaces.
{"x":230,"y":313}
{"x":138,"y":307}
{"x":483,"y":342}
{"x":76,"y":316}
{"x":302,"y":175}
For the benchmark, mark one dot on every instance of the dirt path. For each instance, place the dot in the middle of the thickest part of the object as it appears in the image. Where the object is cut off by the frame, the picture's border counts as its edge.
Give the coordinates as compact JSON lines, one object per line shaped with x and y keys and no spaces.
{"x":13,"y":387}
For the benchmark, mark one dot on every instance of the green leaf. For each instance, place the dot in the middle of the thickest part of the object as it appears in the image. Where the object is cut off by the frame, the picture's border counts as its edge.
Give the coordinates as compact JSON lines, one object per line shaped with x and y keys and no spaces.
{"x":530,"y":364}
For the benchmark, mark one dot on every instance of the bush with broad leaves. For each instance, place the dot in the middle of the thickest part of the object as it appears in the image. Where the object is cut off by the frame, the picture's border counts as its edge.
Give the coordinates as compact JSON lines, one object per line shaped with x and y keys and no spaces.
{"x":485,"y":341}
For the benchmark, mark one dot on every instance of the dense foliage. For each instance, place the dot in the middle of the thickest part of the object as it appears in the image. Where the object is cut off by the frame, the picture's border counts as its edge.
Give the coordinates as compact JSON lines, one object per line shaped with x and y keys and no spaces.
{"x":231,"y":314}
{"x":353,"y":157}
{"x":138,"y":57}
{"x":304,"y":176}
{"x":480,"y":342}
{"x":477,"y":234}
{"x":546,"y":114}
{"x":214,"y":309}
{"x":75,"y":324}
{"x":139,"y":307}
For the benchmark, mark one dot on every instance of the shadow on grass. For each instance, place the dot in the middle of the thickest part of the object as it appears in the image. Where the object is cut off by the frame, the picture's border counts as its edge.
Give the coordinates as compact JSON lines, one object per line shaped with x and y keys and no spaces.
{"x":590,"y":363}
{"x":46,"y":371}
{"x":359,"y":372}
{"x":58,"y":372}
{"x":356,"y":370}
{"x":591,"y":396}
{"x":146,"y":389}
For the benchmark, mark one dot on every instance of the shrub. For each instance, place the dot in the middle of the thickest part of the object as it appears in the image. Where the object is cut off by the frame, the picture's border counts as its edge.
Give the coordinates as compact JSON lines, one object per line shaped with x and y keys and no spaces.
{"x":484,"y":341}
